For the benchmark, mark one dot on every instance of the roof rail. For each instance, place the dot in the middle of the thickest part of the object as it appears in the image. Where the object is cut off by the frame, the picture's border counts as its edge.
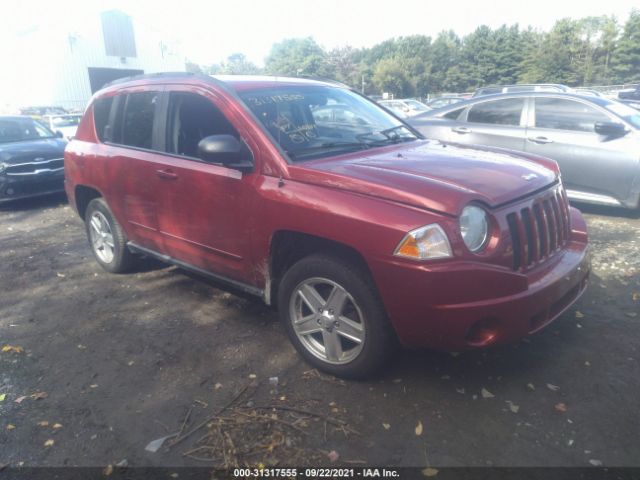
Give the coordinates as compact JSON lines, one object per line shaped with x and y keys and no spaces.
{"x":326,"y":80}
{"x":150,"y":76}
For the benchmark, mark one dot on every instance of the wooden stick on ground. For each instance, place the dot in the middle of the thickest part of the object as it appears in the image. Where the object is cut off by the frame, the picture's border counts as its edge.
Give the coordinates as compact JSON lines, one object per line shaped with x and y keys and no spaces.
{"x":209,"y":418}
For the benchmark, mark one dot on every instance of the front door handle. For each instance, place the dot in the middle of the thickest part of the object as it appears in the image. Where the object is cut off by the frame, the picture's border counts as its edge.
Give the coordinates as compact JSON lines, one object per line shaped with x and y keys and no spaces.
{"x":540,"y":140}
{"x":461,"y":130}
{"x":167,"y":174}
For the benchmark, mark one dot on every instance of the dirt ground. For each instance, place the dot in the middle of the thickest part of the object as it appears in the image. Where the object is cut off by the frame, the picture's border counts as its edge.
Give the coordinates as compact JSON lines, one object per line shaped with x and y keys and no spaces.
{"x":112,"y":362}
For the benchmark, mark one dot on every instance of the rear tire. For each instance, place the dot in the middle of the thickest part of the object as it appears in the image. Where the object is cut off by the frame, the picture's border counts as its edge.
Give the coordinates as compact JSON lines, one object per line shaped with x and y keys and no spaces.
{"x":334,"y":317}
{"x":106,"y":238}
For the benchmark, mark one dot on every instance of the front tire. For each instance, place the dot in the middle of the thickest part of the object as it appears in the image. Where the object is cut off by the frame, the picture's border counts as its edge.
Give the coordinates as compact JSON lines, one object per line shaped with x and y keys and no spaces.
{"x":334,"y":317}
{"x":106,"y":238}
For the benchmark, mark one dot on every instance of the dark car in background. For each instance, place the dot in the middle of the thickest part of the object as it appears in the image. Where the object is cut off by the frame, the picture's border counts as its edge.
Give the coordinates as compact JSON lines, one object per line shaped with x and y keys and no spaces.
{"x":31,"y":158}
{"x":630,"y":97}
{"x":522,"y":87}
{"x":595,"y":140}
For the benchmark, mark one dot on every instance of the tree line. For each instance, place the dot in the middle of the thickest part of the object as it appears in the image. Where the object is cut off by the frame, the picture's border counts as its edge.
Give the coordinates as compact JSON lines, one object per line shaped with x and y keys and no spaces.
{"x":575,"y":52}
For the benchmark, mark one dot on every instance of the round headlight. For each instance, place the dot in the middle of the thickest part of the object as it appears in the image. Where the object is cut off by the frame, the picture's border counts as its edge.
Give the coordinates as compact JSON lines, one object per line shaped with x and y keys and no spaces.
{"x":474,"y":227}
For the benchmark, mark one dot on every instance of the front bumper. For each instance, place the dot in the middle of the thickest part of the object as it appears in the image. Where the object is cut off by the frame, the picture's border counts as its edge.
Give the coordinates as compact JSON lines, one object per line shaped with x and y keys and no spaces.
{"x":14,"y":187}
{"x":460,"y":305}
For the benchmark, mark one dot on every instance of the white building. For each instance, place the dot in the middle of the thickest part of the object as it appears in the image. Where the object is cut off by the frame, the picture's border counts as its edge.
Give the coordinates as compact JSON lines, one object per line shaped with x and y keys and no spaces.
{"x":53,"y":65}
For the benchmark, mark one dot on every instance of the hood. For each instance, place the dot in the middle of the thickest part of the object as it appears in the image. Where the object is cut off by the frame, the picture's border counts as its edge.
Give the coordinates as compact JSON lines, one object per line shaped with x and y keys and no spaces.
{"x":30,"y":150}
{"x":438,"y":176}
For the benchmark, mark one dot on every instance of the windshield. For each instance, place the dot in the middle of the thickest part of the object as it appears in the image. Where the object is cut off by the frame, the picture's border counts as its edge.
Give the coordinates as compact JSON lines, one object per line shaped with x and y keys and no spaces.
{"x":627,"y":113}
{"x":21,"y":129}
{"x":311,"y":122}
{"x":65,"y":120}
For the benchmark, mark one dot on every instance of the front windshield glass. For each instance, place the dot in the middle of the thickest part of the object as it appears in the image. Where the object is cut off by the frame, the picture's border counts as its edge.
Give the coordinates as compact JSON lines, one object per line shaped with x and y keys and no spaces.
{"x":21,"y":129}
{"x":311,"y":122}
{"x":626,"y":112}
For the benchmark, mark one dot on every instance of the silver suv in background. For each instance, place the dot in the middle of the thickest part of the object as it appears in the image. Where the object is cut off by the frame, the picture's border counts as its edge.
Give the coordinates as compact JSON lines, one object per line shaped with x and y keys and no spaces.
{"x":595,"y":140}
{"x":523,"y":87}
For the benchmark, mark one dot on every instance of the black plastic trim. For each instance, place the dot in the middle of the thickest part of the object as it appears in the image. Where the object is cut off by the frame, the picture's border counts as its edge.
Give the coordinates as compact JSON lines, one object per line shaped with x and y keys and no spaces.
{"x":244,"y":287}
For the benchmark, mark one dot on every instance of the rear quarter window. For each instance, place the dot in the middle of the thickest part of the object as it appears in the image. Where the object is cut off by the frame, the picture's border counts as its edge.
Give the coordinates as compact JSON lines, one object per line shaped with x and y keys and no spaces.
{"x":101,"y":112}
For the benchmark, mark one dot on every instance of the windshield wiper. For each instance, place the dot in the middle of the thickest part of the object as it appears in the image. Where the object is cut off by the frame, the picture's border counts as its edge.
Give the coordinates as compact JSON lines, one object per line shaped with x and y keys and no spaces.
{"x":328,"y":145}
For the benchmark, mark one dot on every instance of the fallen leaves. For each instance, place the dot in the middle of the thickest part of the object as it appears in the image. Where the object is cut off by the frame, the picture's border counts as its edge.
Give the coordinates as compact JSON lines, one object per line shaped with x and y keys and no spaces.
{"x":513,"y":407}
{"x":579,"y":314}
{"x":429,"y":472}
{"x":39,"y":395}
{"x":419,"y":428}
{"x":486,"y":393}
{"x":49,"y":443}
{"x":20,"y":399}
{"x":595,"y":463}
{"x":56,"y":426}
{"x":560,"y":407}
{"x":11,"y":427}
{"x":552,"y":387}
{"x":43,"y":423}
{"x":333,"y":456}
{"x":531,"y":387}
{"x":12,"y":348}
{"x":386,"y":426}
{"x":2,"y":397}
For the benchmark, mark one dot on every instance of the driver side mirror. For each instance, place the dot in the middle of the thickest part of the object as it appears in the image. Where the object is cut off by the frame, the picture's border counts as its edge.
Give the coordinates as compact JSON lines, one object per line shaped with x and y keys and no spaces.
{"x":227,"y":150}
{"x":610,"y":129}
{"x":59,"y":134}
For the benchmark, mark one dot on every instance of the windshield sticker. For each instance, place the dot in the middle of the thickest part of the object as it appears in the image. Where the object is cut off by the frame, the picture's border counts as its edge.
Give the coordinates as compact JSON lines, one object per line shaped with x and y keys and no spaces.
{"x":273,"y":99}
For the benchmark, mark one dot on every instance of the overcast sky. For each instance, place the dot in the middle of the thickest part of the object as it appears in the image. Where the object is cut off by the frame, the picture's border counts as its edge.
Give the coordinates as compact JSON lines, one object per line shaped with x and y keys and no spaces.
{"x":209,"y":31}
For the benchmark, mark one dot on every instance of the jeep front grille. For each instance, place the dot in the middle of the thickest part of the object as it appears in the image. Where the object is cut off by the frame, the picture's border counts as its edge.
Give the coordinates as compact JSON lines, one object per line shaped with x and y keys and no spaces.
{"x":539,"y":230}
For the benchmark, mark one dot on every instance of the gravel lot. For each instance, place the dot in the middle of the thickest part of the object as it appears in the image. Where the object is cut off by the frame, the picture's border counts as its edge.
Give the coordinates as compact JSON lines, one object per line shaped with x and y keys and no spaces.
{"x":117,"y":361}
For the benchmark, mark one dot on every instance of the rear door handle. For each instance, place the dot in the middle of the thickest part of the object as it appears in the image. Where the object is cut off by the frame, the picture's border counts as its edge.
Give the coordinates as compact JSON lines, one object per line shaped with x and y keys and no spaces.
{"x":167,"y":174}
{"x":461,"y":130}
{"x":540,"y":140}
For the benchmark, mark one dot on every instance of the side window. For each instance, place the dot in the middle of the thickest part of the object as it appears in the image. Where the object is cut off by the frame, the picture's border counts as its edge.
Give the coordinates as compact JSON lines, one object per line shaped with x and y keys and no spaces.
{"x":137,"y":122}
{"x":561,"y":114}
{"x":453,"y":114}
{"x":498,"y":112}
{"x":191,"y":118}
{"x":101,"y":112}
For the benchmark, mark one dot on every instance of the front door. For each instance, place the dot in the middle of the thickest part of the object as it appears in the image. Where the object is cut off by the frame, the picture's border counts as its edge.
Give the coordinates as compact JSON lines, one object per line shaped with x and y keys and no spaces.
{"x":205,"y":210}
{"x":563,"y":130}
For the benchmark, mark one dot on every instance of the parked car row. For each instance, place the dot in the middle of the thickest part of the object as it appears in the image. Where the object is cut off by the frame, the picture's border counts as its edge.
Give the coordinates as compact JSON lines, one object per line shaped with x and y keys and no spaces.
{"x":364,"y":233}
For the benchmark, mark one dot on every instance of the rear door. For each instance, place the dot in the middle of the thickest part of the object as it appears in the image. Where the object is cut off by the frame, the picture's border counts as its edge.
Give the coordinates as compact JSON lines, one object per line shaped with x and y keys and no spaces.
{"x":497,"y":123}
{"x":131,"y":138}
{"x":563,"y":129}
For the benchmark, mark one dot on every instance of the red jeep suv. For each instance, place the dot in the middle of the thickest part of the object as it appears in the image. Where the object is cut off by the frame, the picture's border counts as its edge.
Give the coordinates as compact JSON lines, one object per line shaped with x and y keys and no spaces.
{"x":315,"y":199}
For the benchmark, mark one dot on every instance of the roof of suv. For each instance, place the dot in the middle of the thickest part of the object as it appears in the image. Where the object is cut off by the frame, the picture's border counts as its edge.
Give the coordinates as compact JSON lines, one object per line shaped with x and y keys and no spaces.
{"x":237,"y":82}
{"x":484,"y":98}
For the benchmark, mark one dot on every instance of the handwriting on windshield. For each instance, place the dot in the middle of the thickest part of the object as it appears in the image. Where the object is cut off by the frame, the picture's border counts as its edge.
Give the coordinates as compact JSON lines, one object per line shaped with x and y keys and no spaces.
{"x":272,"y":99}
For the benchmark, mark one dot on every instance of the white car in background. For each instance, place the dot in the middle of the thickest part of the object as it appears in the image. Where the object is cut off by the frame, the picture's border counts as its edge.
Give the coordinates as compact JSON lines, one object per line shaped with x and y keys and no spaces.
{"x":405,"y":107}
{"x":66,"y":124}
